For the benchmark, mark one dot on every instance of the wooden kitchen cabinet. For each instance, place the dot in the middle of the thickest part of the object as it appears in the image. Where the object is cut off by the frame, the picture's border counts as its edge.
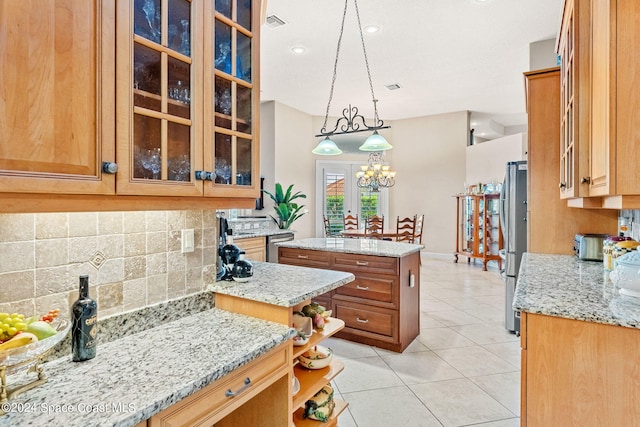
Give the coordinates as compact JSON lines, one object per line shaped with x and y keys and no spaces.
{"x":478,"y":232}
{"x":578,"y":373}
{"x":255,"y":248}
{"x":261,"y":391}
{"x":57,"y":105}
{"x":311,"y":380}
{"x":547,"y":214}
{"x":132,"y":84}
{"x":598,"y":41}
{"x":575,"y":79}
{"x":380,"y":307}
{"x":187,"y":105}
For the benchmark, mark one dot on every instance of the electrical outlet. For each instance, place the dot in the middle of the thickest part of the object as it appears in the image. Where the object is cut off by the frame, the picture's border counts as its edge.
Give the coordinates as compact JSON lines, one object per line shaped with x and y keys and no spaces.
{"x":187,"y":241}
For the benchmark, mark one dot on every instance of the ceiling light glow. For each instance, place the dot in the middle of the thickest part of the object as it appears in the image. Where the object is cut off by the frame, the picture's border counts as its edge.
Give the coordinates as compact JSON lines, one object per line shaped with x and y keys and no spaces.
{"x":298,"y":50}
{"x":371,"y":29}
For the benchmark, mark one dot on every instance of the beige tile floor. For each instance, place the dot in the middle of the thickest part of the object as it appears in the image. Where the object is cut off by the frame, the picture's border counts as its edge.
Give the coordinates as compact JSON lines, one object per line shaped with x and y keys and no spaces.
{"x":462,"y":370}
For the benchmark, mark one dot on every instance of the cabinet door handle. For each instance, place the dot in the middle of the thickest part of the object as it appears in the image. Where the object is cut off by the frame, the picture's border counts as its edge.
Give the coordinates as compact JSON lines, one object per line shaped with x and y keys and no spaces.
{"x":362,"y":288}
{"x":585,"y":180}
{"x":562,"y":185}
{"x":109,"y":167}
{"x":247,"y":384}
{"x":362,"y":320}
{"x":205,"y":176}
{"x":362,"y":263}
{"x":303,"y":256}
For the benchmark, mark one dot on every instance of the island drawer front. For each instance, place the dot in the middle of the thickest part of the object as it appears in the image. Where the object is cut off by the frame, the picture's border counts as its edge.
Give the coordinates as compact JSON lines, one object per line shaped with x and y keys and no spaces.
{"x":212,"y":403}
{"x":318,"y":259}
{"x":364,"y":318}
{"x":378,"y":289}
{"x":365,"y":263}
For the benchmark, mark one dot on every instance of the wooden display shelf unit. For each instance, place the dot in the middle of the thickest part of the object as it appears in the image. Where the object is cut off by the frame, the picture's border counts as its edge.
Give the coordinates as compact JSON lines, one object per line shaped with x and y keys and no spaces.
{"x":332,"y":325}
{"x":478,"y":233}
{"x":312,"y":380}
{"x":301,"y":421}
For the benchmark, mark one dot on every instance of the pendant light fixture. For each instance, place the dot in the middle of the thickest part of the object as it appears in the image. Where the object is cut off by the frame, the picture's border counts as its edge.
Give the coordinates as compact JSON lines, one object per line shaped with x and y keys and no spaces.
{"x":351,"y":121}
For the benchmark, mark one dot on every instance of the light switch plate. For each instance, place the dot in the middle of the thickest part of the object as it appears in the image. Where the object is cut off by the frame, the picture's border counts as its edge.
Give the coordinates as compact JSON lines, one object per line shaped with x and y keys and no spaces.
{"x":187,"y":241}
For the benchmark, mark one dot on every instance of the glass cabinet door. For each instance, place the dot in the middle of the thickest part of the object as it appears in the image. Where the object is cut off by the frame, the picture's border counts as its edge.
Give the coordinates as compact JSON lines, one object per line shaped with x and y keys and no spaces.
{"x":468,"y":224}
{"x":231,"y":126}
{"x":162,"y":148}
{"x":157,"y":69}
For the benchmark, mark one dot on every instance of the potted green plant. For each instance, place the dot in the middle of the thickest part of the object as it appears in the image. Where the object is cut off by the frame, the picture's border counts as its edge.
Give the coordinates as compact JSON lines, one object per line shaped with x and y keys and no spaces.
{"x":287,"y":211}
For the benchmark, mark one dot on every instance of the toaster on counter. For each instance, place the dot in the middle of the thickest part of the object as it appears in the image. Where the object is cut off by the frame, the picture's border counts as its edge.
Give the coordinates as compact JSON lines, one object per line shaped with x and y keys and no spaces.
{"x":589,"y":246}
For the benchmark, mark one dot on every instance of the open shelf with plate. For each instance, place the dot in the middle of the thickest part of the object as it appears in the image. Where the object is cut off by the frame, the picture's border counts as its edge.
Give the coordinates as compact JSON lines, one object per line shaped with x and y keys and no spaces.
{"x":312,"y":380}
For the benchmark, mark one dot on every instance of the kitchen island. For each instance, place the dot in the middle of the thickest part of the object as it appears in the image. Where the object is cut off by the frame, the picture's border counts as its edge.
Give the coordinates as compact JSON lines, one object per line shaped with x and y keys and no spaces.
{"x":381,"y":307}
{"x":185,"y":371}
{"x":580,"y":344}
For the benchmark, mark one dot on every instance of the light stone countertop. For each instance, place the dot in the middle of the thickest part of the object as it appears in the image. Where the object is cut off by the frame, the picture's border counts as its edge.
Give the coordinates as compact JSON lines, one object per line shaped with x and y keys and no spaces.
{"x":137,"y":376}
{"x":245,"y":234}
{"x":354,"y":246}
{"x":563,"y":286}
{"x":283,"y":285}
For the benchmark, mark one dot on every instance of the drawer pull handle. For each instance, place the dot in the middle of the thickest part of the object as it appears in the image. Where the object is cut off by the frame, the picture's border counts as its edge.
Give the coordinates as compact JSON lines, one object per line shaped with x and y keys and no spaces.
{"x":362,"y":288}
{"x":362,"y":320}
{"x":362,"y":263}
{"x":303,"y":256}
{"x":247,"y":383}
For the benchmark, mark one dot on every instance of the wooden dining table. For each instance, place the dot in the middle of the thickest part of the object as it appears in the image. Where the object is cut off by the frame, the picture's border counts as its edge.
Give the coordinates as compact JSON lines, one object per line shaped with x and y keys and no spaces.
{"x":361,"y":234}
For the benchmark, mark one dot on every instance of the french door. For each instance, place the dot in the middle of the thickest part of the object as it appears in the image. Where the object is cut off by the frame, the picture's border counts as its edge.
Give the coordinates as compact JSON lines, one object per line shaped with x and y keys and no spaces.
{"x":337,"y":194}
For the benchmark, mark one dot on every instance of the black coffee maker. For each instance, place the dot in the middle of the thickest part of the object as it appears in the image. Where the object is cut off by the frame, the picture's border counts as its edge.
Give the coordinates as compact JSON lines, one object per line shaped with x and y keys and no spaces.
{"x":223,"y":232}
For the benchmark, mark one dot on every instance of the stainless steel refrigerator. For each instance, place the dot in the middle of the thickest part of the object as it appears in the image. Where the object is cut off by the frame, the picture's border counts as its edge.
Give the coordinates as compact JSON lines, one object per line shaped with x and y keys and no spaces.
{"x":513,"y":220}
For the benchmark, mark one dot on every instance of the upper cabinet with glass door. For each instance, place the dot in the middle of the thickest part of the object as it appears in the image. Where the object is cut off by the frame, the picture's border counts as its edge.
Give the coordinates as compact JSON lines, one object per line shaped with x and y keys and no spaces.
{"x":231,"y":111}
{"x":158,"y":95}
{"x":188,"y":97}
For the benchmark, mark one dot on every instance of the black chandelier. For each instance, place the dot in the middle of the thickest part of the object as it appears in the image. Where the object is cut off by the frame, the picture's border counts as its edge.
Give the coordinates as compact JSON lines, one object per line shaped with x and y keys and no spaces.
{"x":351,"y":121}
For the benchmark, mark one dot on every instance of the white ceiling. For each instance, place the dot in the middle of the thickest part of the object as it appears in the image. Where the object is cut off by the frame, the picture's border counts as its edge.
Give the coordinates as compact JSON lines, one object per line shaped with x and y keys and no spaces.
{"x":447,"y":55}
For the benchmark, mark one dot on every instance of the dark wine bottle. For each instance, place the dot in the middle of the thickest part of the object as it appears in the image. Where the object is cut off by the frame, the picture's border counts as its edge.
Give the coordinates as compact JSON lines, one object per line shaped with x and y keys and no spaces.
{"x":84,"y":328}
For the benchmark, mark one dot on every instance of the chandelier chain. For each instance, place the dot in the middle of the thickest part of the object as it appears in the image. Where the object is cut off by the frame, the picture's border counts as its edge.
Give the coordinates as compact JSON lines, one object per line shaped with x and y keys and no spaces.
{"x":335,"y":64}
{"x":366,"y":63}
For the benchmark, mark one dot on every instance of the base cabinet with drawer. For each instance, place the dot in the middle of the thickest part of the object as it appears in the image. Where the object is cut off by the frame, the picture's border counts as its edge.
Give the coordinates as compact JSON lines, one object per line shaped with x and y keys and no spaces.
{"x":255,"y":394}
{"x":255,"y":248}
{"x":381,"y":307}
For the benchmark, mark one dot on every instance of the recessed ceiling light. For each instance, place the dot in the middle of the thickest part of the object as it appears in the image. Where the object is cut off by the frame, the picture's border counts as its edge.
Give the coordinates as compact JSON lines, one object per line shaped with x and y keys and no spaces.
{"x":298,"y":50}
{"x":371,"y":29}
{"x":393,"y":86}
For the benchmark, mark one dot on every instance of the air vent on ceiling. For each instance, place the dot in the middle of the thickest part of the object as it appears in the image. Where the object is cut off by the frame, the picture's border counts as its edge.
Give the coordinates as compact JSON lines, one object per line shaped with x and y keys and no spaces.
{"x":273,"y":21}
{"x":393,"y":86}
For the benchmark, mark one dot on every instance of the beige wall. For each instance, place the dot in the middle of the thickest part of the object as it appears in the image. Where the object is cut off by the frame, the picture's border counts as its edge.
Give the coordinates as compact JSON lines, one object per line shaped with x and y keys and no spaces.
{"x":429,"y":156}
{"x":293,"y":161}
{"x":486,"y":161}
{"x":138,"y":256}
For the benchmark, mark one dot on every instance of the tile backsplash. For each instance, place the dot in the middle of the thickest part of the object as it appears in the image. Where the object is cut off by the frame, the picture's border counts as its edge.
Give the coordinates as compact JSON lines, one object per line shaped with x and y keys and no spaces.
{"x":133,"y":259}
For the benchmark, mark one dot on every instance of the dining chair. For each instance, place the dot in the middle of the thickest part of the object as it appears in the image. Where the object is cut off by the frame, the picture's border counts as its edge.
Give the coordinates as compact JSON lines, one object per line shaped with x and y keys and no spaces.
{"x":405,"y":229}
{"x":417,"y":233}
{"x":374,"y":226}
{"x":327,"y":227}
{"x":351,"y":222}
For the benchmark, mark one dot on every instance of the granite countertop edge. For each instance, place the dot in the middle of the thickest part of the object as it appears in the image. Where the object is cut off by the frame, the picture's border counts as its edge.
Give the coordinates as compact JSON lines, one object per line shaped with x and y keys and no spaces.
{"x":259,"y":233}
{"x":153,"y":372}
{"x":354,"y":246}
{"x":283,"y":285}
{"x":563,"y":286}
